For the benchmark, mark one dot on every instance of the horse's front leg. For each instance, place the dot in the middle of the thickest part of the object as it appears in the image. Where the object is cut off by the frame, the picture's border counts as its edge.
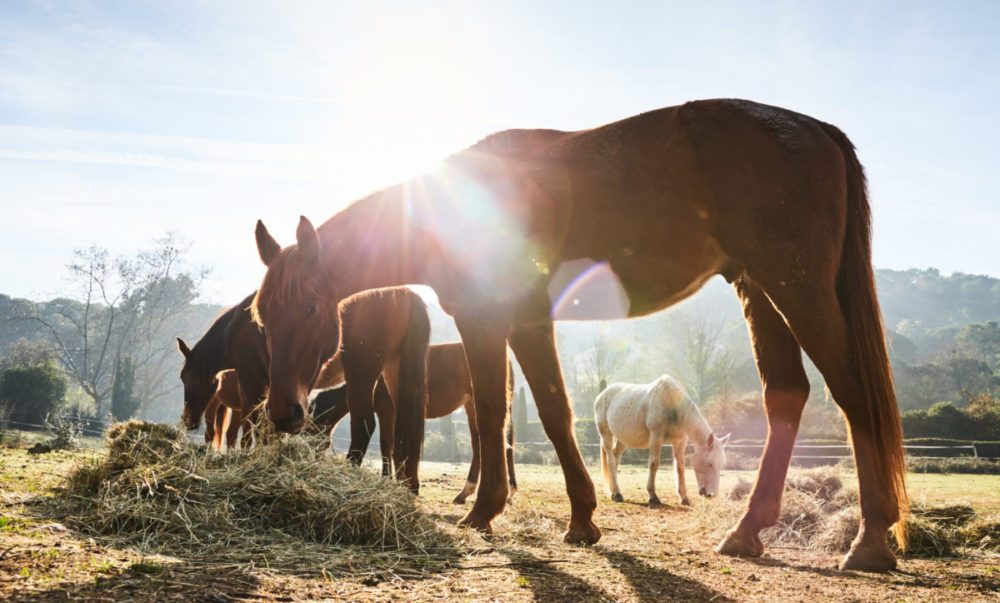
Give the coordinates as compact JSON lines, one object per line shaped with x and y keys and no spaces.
{"x":535,"y":348}
{"x":655,"y":444}
{"x":679,"y":445}
{"x":486,"y":352}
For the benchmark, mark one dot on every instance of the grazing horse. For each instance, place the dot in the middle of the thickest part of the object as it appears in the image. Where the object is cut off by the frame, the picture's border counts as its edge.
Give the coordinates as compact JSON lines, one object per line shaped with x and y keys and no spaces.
{"x":449,"y":387}
{"x":622,"y":220}
{"x":386,"y":333}
{"x":648,"y":416}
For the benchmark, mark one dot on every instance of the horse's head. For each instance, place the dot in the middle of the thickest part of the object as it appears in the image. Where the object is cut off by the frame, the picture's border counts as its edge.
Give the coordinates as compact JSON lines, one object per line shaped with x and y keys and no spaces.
{"x":708,"y":459}
{"x":297,"y":308}
{"x":198,"y":388}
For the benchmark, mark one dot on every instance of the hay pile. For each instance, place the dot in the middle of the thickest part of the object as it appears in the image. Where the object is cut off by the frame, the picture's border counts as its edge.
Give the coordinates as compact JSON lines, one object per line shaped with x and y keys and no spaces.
{"x":283,"y":501}
{"x":818,"y":512}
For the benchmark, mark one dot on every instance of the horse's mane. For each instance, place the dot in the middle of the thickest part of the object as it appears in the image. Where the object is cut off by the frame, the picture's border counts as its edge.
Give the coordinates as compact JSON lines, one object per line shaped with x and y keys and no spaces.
{"x":513,"y":144}
{"x":207,"y":355}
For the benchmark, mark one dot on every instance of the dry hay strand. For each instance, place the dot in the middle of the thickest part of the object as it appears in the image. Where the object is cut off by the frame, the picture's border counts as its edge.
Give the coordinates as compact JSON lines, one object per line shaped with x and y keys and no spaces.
{"x":983,"y":533}
{"x":818,"y":512}
{"x":287,"y":503}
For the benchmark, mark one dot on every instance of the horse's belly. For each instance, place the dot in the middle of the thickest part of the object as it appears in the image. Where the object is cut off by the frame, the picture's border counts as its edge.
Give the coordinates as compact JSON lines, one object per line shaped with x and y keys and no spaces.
{"x":631,"y":433}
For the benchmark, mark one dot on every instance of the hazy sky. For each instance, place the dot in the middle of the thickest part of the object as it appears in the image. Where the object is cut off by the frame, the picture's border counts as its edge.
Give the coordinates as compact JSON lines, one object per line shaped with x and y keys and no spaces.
{"x":120,"y":121}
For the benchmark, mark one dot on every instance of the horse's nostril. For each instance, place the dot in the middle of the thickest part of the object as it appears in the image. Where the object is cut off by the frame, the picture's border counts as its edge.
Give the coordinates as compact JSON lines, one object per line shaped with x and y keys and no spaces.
{"x":297,"y":414}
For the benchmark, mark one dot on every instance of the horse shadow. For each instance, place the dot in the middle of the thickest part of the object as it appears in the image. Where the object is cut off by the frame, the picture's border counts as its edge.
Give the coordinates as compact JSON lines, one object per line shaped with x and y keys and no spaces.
{"x":657,"y":584}
{"x":169,"y":581}
{"x":548,"y":583}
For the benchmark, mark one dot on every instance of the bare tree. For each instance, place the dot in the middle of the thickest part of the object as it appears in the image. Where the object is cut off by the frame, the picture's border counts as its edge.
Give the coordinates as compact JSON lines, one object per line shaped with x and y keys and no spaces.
{"x":123,"y":305}
{"x":600,"y":364}
{"x":697,"y":354}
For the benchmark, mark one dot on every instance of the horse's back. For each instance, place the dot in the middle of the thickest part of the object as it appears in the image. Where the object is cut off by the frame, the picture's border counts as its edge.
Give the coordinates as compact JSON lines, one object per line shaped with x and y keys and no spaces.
{"x":625,"y":408}
{"x":634,"y":412}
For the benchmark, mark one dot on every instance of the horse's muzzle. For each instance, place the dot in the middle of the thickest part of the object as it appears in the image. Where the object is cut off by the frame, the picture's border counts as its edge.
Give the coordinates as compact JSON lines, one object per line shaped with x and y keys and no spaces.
{"x":705,"y":493}
{"x":292,"y":422}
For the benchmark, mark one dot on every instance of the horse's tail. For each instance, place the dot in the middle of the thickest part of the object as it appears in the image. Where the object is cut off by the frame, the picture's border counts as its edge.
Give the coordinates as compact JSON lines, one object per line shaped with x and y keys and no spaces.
{"x":604,"y":464}
{"x":866,"y":335}
{"x":412,"y":396}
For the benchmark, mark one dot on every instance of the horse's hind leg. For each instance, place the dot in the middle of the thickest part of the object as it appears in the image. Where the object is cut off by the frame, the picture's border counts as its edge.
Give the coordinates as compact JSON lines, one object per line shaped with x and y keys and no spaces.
{"x":473,"y":479}
{"x":779,"y":362}
{"x":510,"y":456}
{"x":609,"y":460}
{"x":655,"y":445}
{"x":385,"y":410}
{"x":816,"y":319}
{"x":535,"y":349}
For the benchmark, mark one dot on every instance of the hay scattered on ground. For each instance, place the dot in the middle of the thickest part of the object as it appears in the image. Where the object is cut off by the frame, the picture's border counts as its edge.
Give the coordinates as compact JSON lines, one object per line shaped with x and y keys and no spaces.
{"x":817,"y":511}
{"x":285,"y":502}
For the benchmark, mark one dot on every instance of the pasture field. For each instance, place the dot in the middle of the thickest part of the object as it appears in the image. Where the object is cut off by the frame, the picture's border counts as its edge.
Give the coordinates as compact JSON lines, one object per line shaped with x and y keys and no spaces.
{"x":645,"y":555}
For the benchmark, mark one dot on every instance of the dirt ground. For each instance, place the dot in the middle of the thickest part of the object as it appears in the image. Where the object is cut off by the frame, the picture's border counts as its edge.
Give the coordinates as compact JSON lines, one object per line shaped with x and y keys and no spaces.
{"x":645,"y":555}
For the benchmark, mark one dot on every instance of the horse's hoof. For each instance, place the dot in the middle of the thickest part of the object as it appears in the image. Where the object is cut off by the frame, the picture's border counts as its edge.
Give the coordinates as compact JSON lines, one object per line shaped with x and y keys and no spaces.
{"x":655,"y":503}
{"x":510,"y":495}
{"x":867,"y":558}
{"x":617,"y":497}
{"x":459,"y":500}
{"x":476,"y":523}
{"x":582,"y":533}
{"x":686,"y":501}
{"x":740,"y":544}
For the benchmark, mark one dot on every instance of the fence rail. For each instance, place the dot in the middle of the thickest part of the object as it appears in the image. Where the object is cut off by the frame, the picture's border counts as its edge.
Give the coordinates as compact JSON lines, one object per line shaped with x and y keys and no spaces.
{"x":798,"y":452}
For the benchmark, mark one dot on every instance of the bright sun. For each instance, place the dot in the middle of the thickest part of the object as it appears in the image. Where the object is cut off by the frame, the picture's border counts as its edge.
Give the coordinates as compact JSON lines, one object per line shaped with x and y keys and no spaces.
{"x":409,"y":99}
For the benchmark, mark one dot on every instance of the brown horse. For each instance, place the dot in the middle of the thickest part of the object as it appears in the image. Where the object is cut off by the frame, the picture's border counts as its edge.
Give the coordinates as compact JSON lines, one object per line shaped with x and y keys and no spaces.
{"x":449,"y":387}
{"x":385,"y":333}
{"x":230,"y":408}
{"x":651,"y":206}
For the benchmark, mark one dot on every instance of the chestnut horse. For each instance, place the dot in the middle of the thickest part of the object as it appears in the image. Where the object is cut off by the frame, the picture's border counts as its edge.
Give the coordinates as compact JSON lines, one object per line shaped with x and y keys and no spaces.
{"x":224,"y":413}
{"x":386,"y":333}
{"x":622,"y":220}
{"x":449,"y":387}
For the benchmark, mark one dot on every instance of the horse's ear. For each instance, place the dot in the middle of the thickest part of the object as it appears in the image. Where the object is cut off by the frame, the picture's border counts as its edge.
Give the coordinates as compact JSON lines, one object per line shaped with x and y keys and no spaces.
{"x":307,"y":239}
{"x":183,"y":348}
{"x":267,"y":247}
{"x":711,"y":441}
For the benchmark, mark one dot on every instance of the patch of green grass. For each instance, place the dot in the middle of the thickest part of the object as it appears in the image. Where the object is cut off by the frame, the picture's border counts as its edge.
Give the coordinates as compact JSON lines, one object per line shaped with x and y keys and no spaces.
{"x":523,"y":582}
{"x":25,"y":572}
{"x":726,"y":570}
{"x":104,"y":567}
{"x":145,"y":567}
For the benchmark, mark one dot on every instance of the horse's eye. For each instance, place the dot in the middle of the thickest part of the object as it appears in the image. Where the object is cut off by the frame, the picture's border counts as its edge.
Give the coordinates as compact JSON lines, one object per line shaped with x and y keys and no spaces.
{"x":311,"y":309}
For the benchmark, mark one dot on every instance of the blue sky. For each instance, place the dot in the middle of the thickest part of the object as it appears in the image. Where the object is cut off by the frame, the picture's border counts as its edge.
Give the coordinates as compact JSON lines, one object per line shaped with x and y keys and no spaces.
{"x":120,"y":121}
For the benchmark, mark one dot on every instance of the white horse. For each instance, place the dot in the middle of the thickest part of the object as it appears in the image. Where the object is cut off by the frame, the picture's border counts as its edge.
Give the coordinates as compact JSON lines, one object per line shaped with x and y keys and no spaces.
{"x":648,"y":416}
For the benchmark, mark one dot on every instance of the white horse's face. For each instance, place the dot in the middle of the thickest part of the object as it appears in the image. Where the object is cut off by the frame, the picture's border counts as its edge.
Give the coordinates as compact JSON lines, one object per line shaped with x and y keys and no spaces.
{"x":708,"y":459}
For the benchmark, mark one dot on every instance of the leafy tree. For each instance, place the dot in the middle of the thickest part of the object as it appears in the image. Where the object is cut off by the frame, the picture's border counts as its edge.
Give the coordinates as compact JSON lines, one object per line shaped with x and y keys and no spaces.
{"x":124,"y":403}
{"x":31,"y":393}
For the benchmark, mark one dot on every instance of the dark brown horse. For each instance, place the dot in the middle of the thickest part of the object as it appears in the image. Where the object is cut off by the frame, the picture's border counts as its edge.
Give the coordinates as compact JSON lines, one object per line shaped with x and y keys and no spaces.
{"x":449,"y":387}
{"x":385,"y":333}
{"x":650,"y":207}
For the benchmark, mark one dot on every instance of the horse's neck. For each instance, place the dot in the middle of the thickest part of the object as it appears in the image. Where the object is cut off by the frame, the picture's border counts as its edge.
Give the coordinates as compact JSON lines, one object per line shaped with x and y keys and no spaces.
{"x":371,"y":244}
{"x":695,"y":425}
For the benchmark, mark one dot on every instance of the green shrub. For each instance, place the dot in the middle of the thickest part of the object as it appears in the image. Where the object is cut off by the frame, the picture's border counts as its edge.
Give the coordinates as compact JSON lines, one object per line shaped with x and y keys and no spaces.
{"x":31,"y":393}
